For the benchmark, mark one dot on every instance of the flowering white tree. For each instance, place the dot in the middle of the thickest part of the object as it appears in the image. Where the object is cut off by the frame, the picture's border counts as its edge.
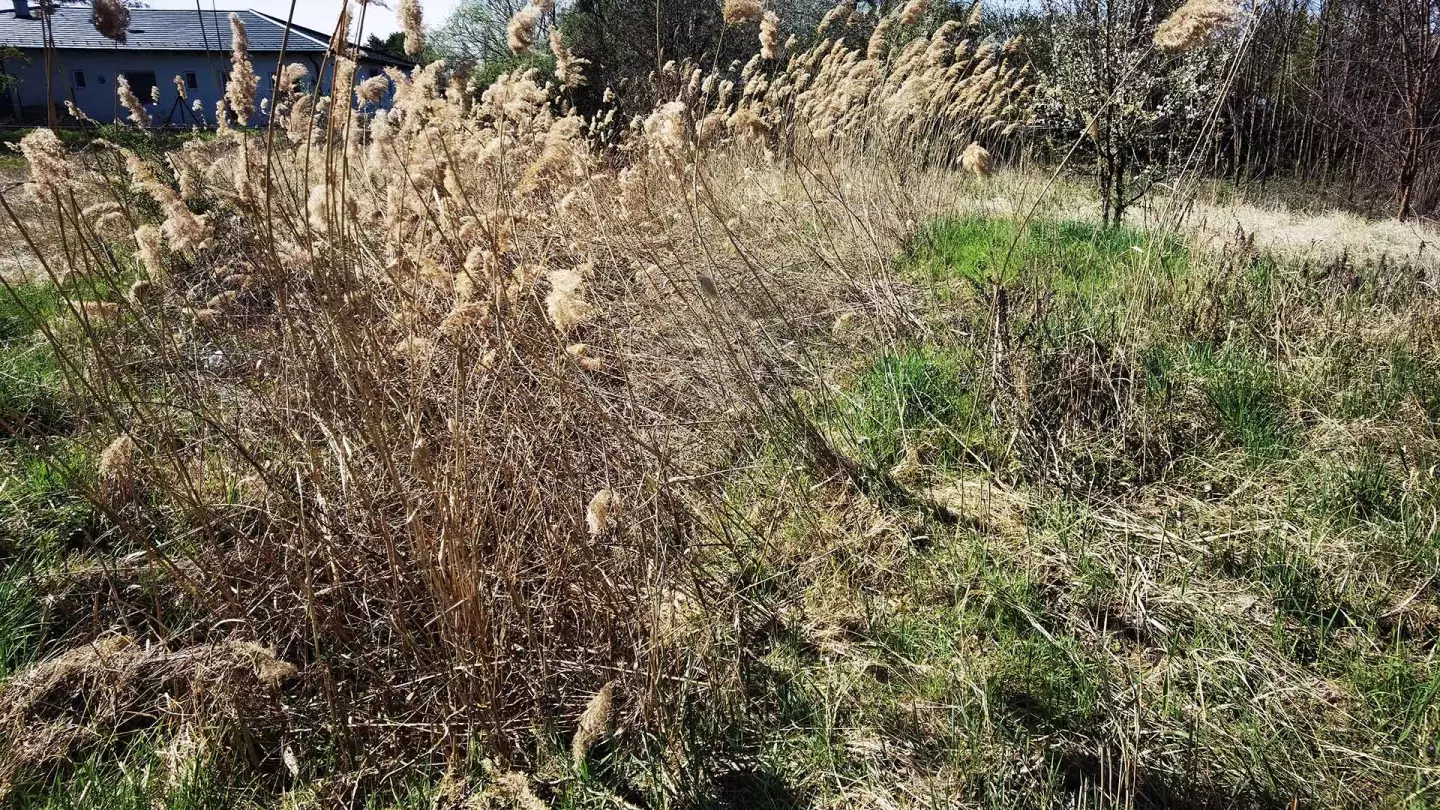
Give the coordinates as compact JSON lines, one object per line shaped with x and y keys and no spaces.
{"x":1135,"y":109}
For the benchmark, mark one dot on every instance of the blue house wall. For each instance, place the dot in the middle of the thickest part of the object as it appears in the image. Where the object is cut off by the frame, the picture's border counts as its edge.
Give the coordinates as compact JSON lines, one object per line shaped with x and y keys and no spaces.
{"x":164,"y":43}
{"x":88,"y":79}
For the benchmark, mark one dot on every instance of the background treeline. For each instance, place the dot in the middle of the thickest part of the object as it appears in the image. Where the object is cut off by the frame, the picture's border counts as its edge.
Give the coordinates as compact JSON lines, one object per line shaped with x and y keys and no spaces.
{"x":1338,"y":97}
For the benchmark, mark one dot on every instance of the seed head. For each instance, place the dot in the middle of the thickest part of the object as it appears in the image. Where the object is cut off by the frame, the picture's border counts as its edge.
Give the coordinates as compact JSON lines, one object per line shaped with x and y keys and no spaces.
{"x":841,"y":10}
{"x":976,"y":160}
{"x":1194,"y":22}
{"x":111,"y":18}
{"x":373,"y":89}
{"x":878,"y":45}
{"x":240,"y":92}
{"x":117,"y":469}
{"x":520,"y":33}
{"x":291,"y":77}
{"x":410,"y":21}
{"x":976,"y":14}
{"x":769,"y":36}
{"x":138,"y":113}
{"x":564,"y":304}
{"x":600,"y":514}
{"x":736,"y":12}
{"x":594,"y":722}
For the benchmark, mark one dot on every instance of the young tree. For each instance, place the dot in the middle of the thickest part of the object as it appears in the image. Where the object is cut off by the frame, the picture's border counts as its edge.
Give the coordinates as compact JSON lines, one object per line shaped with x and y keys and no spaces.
{"x":1134,"y":109}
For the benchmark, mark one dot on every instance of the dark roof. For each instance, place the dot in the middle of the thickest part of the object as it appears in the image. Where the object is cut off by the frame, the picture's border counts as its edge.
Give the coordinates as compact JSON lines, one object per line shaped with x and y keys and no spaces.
{"x":155,"y":29}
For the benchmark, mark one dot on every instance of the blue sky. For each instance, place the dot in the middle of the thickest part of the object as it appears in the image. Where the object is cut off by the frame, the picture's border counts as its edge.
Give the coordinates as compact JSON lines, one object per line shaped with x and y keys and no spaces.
{"x":320,"y":14}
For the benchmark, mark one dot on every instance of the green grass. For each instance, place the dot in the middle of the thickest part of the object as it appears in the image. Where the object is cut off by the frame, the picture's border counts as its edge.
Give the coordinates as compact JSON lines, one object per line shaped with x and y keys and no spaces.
{"x":1244,"y":393}
{"x":918,"y":396}
{"x":142,"y":780}
{"x":1074,"y":258}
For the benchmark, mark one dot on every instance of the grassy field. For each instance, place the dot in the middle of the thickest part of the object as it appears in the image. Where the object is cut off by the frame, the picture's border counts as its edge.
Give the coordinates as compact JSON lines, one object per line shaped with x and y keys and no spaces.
{"x":1127,"y":524}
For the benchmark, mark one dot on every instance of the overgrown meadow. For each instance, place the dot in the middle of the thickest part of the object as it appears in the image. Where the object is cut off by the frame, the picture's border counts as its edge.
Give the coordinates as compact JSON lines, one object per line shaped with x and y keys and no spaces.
{"x":736,"y":451}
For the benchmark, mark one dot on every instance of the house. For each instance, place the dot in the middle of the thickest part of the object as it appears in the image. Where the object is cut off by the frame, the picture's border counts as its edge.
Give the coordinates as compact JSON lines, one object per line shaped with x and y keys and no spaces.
{"x":162,"y":44}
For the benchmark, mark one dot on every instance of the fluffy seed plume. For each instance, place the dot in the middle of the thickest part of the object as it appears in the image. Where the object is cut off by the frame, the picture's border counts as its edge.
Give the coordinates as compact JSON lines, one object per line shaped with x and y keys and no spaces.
{"x":976,"y":160}
{"x":111,"y":18}
{"x":737,"y":12}
{"x":878,"y":45}
{"x":841,"y":11}
{"x":594,"y":722}
{"x":1194,"y":22}
{"x":46,"y":156}
{"x":291,"y":77}
{"x":117,"y":469}
{"x":149,"y":248}
{"x":411,"y":22}
{"x":243,"y":81}
{"x":569,"y":68}
{"x":976,"y":15}
{"x":914,"y":10}
{"x":373,"y":89}
{"x":132,"y":102}
{"x":770,"y":36}
{"x":567,"y":309}
{"x":520,"y":33}
{"x":600,"y":514}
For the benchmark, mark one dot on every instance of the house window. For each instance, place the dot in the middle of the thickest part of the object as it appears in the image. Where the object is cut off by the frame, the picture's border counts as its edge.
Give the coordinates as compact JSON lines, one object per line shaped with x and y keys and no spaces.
{"x":142,"y":82}
{"x":79,"y":78}
{"x":192,"y":82}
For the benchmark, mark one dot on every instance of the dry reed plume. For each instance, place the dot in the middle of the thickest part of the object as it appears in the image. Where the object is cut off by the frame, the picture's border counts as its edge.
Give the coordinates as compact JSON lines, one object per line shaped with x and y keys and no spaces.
{"x":111,"y":18}
{"x":736,"y":12}
{"x":411,"y":23}
{"x":1194,"y":23}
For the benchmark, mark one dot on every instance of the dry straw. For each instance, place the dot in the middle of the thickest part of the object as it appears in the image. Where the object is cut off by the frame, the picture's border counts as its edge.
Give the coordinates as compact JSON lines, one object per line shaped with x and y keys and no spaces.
{"x":443,"y":334}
